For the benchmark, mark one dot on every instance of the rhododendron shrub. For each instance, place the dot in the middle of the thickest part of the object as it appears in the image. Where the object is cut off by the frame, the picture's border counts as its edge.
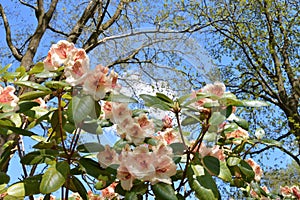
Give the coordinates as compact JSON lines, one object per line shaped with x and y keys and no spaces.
{"x":62,"y":99}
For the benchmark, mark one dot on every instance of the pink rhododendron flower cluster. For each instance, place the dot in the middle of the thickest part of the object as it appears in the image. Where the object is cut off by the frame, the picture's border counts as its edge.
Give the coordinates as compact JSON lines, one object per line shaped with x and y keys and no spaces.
{"x":256,"y":168}
{"x":217,"y":89}
{"x":135,"y":130}
{"x":290,"y":192}
{"x":140,"y":163}
{"x":7,"y":97}
{"x":96,"y":82}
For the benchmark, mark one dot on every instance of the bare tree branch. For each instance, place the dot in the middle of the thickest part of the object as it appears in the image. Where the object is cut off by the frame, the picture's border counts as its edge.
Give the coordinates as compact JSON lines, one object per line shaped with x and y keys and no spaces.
{"x":13,"y":49}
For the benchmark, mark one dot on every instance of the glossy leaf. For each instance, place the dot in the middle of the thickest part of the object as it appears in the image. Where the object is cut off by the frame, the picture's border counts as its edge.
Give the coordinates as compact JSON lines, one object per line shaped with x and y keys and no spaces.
{"x":121,"y":98}
{"x":82,"y":106}
{"x":153,"y":101}
{"x":130,"y":196}
{"x":242,"y":123}
{"x":34,"y":94}
{"x":79,"y":188}
{"x":41,"y":156}
{"x":178,"y":148}
{"x":163,"y":191}
{"x":164,"y":98}
{"x":19,"y":130}
{"x":254,"y":103}
{"x":37,"y":68}
{"x":232,"y":161}
{"x":32,"y":85}
{"x":212,"y":164}
{"x":52,"y":180}
{"x":225,"y":173}
{"x":17,"y":190}
{"x":56,"y":85}
{"x":90,"y":147}
{"x":46,"y":74}
{"x":93,"y":168}
{"x":26,"y":105}
{"x":202,"y":183}
{"x":247,"y":171}
{"x":32,"y":185}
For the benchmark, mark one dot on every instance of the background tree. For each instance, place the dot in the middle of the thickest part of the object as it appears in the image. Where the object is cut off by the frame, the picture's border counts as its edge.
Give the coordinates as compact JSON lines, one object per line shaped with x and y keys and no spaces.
{"x":261,"y":40}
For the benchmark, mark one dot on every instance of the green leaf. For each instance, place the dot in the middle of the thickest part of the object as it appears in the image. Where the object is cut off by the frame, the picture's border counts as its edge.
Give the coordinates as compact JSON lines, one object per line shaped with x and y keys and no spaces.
{"x":131,"y":196}
{"x":164,"y":98}
{"x":163,"y":191}
{"x":4,"y":178}
{"x":120,"y":144}
{"x":79,"y":188}
{"x":56,"y":85}
{"x":32,"y":185}
{"x":242,"y":123}
{"x":153,"y":101}
{"x":37,"y":68}
{"x":216,"y":119}
{"x":202,"y":183}
{"x":121,"y":98}
{"x":26,"y":105}
{"x":34,"y":94}
{"x":17,"y":190}
{"x":4,"y":69}
{"x":82,"y":106}
{"x":52,"y":180}
{"x":212,"y":164}
{"x":46,"y":74}
{"x":178,"y":148}
{"x":19,"y":130}
{"x":254,"y":103}
{"x":32,"y":85}
{"x":224,"y":172}
{"x":232,"y":161}
{"x":247,"y":171}
{"x":93,"y":168}
{"x":38,"y":157}
{"x":90,"y":147}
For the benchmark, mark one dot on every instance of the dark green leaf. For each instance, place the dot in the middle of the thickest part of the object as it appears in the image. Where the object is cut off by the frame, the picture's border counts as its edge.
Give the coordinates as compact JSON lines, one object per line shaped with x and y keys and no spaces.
{"x":19,"y":130}
{"x":246,"y":170}
{"x":93,"y":168}
{"x":41,"y":156}
{"x":163,"y":191}
{"x":212,"y":164}
{"x":26,"y":105}
{"x":131,"y":196}
{"x":79,"y":188}
{"x":32,"y":185}
{"x":4,"y":178}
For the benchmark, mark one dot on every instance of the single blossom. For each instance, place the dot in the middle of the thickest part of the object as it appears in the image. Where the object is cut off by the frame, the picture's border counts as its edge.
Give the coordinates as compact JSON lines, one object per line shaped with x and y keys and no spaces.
{"x":125,"y":177}
{"x":146,"y":124}
{"x":107,"y":109}
{"x":7,"y":97}
{"x":58,"y":55}
{"x":107,"y":157}
{"x":168,"y":136}
{"x":256,"y":168}
{"x":215,"y":151}
{"x":238,"y":135}
{"x":167,"y":122}
{"x":109,"y":192}
{"x":97,"y":82}
{"x":76,"y":70}
{"x":163,"y":164}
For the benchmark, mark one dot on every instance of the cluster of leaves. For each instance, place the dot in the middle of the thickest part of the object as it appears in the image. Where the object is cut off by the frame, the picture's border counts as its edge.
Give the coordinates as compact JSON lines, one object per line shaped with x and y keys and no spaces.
{"x":68,"y":163}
